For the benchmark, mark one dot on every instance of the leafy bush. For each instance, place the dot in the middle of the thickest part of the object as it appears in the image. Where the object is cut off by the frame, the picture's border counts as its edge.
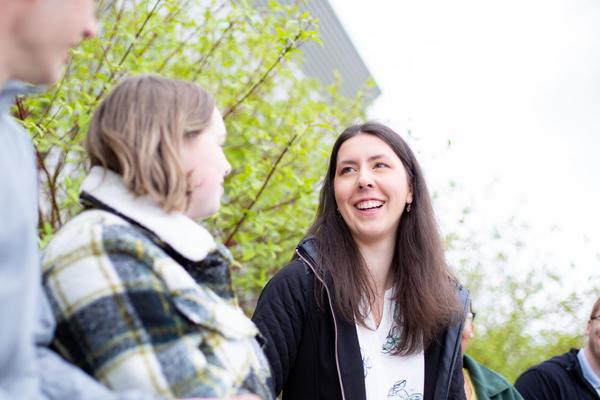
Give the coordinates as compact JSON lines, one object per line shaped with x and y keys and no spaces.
{"x":280,"y":123}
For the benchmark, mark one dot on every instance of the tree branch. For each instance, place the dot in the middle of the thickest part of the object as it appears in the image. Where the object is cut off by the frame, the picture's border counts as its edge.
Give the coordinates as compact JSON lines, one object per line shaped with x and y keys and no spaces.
{"x":204,"y":59}
{"x":289,"y":47}
{"x":178,"y":49}
{"x":239,"y":223}
{"x":289,"y":201}
{"x":54,"y":212}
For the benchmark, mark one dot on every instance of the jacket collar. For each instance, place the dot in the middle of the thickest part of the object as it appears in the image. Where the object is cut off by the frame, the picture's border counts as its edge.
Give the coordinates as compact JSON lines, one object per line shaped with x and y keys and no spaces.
{"x":308,"y":249}
{"x":489,"y":381}
{"x":182,"y":233}
{"x":570,"y":362}
{"x":12,"y":89}
{"x":587,"y":371}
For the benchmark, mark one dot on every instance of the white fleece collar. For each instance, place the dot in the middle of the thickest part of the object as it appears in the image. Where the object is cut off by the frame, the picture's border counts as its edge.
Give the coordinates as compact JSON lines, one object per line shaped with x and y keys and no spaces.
{"x":182,"y":233}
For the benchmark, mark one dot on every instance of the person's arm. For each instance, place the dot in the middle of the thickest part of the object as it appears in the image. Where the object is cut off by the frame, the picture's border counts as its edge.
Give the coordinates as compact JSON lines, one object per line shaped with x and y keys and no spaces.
{"x":18,"y":369}
{"x":457,"y":379}
{"x":280,"y":316}
{"x":63,"y":380}
{"x":19,"y":263}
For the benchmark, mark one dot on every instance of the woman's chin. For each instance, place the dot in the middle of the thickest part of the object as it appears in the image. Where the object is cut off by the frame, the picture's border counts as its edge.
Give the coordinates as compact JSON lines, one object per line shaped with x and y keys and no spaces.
{"x":202,"y":213}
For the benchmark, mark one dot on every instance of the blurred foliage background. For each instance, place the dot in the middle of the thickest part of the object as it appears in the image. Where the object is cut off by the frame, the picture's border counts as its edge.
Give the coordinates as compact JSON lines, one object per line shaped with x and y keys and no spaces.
{"x":281,"y":126}
{"x":280,"y":123}
{"x":523,"y":315}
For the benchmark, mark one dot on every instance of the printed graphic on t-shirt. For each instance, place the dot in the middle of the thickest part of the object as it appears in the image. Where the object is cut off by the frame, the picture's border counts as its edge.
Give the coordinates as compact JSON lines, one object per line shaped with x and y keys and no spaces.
{"x":399,"y":392}
{"x":387,"y":375}
{"x":392,"y":339}
{"x":367,"y":363}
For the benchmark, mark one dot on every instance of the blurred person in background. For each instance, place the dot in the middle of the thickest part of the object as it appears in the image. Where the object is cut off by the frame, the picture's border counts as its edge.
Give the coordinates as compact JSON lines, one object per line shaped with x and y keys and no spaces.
{"x":482,"y":383}
{"x":574,"y":375}
{"x":35,"y":38}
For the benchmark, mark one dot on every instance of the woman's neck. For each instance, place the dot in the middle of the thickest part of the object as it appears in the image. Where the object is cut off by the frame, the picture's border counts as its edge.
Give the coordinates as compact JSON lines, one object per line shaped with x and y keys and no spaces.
{"x":378,"y":258}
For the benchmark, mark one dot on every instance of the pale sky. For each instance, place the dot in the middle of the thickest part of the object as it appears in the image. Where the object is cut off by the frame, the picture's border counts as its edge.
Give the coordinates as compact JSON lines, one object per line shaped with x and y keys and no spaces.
{"x":515,"y":87}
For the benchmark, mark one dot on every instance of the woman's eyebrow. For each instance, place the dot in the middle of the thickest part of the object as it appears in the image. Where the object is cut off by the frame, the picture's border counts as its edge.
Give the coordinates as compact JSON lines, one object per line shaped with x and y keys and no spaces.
{"x":348,"y":162}
{"x":376,"y":157}
{"x":353,"y":162}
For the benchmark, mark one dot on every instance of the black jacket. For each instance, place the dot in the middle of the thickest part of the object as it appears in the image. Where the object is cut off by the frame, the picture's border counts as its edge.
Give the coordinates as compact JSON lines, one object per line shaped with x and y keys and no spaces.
{"x":559,"y":378}
{"x":314,"y":353}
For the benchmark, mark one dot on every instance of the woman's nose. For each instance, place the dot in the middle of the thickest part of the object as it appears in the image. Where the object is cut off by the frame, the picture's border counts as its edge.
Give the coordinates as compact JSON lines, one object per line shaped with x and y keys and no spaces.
{"x":365,"y":180}
{"x":227,"y":167}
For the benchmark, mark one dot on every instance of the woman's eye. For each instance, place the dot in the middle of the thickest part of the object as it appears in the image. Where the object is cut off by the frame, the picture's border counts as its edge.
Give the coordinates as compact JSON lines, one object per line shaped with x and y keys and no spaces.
{"x":345,"y":170}
{"x":380,"y":165}
{"x":190,"y":134}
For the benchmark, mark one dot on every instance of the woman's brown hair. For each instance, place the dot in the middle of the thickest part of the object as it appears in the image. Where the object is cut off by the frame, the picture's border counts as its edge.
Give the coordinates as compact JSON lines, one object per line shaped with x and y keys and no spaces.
{"x":425,"y":288}
{"x":137,"y":132}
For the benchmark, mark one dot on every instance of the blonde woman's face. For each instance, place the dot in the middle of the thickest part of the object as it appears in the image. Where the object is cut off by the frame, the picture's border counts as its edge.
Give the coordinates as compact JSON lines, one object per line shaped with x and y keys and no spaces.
{"x":206,"y":166}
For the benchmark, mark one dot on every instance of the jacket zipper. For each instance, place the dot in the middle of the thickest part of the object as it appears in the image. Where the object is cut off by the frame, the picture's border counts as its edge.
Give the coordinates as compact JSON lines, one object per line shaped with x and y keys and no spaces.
{"x":335,"y":332}
{"x":579,"y":375}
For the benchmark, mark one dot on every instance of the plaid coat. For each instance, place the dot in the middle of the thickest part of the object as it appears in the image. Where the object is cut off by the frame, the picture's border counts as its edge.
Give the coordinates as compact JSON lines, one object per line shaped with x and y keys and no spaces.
{"x":134,"y":312}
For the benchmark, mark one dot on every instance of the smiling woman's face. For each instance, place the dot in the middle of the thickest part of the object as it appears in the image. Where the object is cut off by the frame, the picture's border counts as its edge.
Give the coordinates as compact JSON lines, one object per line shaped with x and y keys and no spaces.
{"x":371,"y":188}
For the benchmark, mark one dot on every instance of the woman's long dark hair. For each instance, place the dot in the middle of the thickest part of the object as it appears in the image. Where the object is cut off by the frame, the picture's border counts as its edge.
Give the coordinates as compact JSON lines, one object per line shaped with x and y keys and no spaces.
{"x":425,"y":287}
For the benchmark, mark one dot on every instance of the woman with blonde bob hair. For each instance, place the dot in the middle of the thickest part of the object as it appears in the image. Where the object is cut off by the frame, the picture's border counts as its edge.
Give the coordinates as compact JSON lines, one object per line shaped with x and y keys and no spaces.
{"x":142,"y":293}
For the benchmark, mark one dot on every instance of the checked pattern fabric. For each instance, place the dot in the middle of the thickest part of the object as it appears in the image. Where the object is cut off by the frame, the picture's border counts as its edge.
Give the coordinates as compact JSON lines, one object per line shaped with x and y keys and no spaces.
{"x":133,"y":317}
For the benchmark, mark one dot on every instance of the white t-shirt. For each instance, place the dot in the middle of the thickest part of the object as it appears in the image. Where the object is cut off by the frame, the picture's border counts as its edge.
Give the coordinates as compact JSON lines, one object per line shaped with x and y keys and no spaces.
{"x":388,"y":376}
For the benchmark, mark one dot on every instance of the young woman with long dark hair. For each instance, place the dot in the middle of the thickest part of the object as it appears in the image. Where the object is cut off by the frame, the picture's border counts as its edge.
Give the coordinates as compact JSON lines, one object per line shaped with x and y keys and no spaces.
{"x":368,"y":308}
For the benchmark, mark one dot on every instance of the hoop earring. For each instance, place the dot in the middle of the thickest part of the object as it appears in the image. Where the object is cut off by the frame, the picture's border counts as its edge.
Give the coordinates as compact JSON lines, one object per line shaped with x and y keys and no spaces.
{"x":408,"y":207}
